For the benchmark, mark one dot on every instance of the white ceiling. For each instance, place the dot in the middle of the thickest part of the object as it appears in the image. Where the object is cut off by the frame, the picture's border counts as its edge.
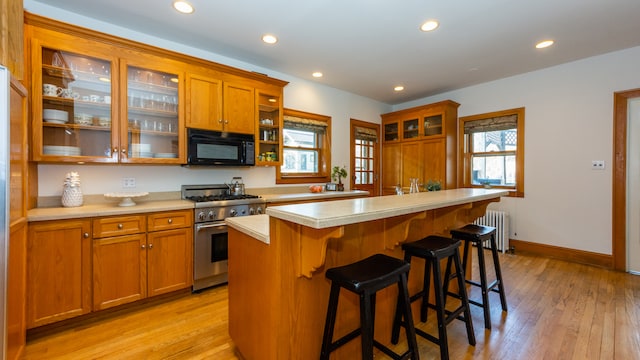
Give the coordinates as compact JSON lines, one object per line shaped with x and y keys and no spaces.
{"x":368,"y":46}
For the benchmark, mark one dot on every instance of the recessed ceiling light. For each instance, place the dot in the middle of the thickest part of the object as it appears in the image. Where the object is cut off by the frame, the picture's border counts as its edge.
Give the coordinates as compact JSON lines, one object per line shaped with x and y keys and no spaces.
{"x":429,"y":25}
{"x":269,"y":39}
{"x":317,"y":74}
{"x":183,"y":6}
{"x":398,"y":88}
{"x":544,"y":44}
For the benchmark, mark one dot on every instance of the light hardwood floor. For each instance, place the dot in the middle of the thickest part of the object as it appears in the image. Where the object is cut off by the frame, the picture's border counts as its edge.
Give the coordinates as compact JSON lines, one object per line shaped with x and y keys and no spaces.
{"x":557,"y":310}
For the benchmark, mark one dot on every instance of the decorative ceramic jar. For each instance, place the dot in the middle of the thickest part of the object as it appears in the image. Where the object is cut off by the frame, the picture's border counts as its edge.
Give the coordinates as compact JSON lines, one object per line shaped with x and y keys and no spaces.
{"x":71,"y":192}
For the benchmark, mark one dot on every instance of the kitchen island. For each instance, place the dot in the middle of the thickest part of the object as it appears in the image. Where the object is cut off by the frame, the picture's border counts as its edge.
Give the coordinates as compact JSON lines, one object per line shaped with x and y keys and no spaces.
{"x":278,"y":293}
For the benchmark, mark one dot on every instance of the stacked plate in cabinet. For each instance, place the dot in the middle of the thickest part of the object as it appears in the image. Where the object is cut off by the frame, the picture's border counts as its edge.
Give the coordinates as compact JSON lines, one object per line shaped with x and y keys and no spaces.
{"x":166,"y":155}
{"x":61,"y":150}
{"x":55,"y":116}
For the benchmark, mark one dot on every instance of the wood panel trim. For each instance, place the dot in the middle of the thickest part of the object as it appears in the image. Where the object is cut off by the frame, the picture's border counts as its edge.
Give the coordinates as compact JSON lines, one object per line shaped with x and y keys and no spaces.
{"x":619,"y":188}
{"x":46,"y":23}
{"x":561,"y":253}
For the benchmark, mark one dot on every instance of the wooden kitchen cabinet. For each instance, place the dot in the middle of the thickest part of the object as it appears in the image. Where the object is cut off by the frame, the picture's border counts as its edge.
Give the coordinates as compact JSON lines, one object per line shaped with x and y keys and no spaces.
{"x":58,"y":271}
{"x":131,"y":264}
{"x":170,"y":251}
{"x":420,"y":142}
{"x":96,"y":102}
{"x":119,"y":270}
{"x":219,"y":102}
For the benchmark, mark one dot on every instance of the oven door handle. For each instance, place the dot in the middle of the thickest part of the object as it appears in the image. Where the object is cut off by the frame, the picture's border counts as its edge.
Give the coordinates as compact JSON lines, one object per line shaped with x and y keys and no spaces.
{"x":209,"y":226}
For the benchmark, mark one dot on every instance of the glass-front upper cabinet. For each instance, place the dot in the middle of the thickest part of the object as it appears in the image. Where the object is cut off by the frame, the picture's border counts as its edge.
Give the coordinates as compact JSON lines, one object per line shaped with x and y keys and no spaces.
{"x":269,"y":129}
{"x":410,"y":129}
{"x":432,"y":125}
{"x":73,"y":111}
{"x":153,"y":123}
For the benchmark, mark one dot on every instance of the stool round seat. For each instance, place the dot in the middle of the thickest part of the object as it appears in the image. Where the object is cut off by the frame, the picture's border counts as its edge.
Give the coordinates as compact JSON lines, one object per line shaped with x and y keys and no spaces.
{"x":365,"y":278}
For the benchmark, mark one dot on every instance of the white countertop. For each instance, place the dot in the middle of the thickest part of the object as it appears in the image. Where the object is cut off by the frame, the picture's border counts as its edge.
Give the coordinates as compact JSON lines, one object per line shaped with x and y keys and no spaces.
{"x":256,"y":226}
{"x":342,"y":212}
{"x":106,"y":209}
{"x":276,"y":198}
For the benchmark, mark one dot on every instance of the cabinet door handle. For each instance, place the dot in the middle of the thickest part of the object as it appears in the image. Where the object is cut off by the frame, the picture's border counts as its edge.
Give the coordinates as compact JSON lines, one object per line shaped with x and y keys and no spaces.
{"x":120,"y":226}
{"x":150,"y":246}
{"x":143,"y":246}
{"x":226,"y":121}
{"x":85,"y":235}
{"x":170,"y":221}
{"x":220,"y":121}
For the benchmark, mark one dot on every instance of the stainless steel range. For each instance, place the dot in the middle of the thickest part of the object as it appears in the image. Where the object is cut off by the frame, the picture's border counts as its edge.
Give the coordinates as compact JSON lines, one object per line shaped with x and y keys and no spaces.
{"x":214,"y":203}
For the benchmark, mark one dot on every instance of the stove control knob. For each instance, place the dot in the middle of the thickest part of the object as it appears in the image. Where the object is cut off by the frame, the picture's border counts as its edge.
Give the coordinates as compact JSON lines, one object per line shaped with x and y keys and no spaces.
{"x":252,"y":211}
{"x":233,"y":212}
{"x":211,"y":215}
{"x":201,"y":216}
{"x":259,"y":210}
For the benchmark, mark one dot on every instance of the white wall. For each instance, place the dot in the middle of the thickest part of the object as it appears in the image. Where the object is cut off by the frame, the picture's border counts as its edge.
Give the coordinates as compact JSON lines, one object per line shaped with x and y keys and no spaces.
{"x":568,"y":123}
{"x":300,"y":94}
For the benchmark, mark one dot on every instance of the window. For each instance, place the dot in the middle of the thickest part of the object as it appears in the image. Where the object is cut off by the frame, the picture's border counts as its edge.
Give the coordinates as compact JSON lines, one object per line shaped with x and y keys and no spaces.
{"x":306,"y":150}
{"x":492,"y":150}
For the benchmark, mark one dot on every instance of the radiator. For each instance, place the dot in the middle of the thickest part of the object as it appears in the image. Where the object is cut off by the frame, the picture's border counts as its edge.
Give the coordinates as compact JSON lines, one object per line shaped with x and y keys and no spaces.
{"x":500,"y":221}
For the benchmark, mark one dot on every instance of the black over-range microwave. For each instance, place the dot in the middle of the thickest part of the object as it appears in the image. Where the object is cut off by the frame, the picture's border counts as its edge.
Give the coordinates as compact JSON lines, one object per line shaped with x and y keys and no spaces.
{"x":207,"y":147}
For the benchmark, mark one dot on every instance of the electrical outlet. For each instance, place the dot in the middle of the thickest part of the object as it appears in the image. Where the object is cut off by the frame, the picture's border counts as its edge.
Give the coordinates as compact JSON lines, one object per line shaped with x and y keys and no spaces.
{"x":597,"y":165}
{"x":128,"y":182}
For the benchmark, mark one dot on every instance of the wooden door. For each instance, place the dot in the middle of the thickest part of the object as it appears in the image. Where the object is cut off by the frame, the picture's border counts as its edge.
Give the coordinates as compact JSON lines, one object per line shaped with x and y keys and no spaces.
{"x":239,"y":108}
{"x":391,"y":167}
{"x":204,"y":102}
{"x":365,"y":157}
{"x":58,"y":271}
{"x":119,"y":270}
{"x":168,"y":257}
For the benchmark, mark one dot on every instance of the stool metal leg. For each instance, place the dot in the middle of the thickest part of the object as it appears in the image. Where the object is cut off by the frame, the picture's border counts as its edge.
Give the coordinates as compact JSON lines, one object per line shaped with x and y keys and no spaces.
{"x":496,"y":264}
{"x":484,"y":286}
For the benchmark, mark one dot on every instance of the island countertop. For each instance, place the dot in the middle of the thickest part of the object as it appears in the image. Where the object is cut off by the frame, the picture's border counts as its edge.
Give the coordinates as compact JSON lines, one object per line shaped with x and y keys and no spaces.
{"x":342,"y":212}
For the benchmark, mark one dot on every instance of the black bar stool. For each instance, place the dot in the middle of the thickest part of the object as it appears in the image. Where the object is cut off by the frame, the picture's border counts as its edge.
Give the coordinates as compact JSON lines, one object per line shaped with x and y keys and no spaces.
{"x":433,"y":249}
{"x":477,"y":235}
{"x":365,"y":278}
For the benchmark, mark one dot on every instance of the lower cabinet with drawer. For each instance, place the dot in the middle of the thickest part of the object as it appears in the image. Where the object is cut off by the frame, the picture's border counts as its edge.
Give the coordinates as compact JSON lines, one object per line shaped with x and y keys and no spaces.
{"x":138,"y":258}
{"x":78,"y":266}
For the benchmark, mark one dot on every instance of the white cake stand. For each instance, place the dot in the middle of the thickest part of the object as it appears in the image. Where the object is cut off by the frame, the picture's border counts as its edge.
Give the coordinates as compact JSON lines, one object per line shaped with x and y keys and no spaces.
{"x":127,"y":198}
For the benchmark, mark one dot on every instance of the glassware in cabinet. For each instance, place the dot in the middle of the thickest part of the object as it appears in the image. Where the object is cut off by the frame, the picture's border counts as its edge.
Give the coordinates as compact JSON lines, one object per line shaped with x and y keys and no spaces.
{"x":152,"y":115}
{"x":76,"y":109}
{"x":269,"y":129}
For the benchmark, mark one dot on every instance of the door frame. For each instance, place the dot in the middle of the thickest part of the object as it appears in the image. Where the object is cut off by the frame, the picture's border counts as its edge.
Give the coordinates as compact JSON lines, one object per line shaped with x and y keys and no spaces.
{"x":619,"y":188}
{"x":376,"y":160}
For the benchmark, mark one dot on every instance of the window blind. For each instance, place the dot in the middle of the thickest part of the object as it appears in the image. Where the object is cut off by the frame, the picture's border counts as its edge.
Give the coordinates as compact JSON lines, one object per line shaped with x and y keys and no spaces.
{"x":362,"y":133}
{"x":298,"y":123}
{"x":498,"y":123}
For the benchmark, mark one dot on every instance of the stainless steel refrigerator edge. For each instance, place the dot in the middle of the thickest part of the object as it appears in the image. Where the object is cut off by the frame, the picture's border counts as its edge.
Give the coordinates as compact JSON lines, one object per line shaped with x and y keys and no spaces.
{"x":4,"y":199}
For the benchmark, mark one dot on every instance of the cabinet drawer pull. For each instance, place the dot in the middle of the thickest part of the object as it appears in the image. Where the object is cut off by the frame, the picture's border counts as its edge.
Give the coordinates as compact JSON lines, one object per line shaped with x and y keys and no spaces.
{"x":120,"y":226}
{"x":85,"y":235}
{"x":170,"y":221}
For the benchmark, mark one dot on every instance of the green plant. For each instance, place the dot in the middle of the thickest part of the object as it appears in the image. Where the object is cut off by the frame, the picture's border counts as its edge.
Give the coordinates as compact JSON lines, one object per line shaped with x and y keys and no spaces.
{"x":433,"y":185}
{"x":338,"y":173}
